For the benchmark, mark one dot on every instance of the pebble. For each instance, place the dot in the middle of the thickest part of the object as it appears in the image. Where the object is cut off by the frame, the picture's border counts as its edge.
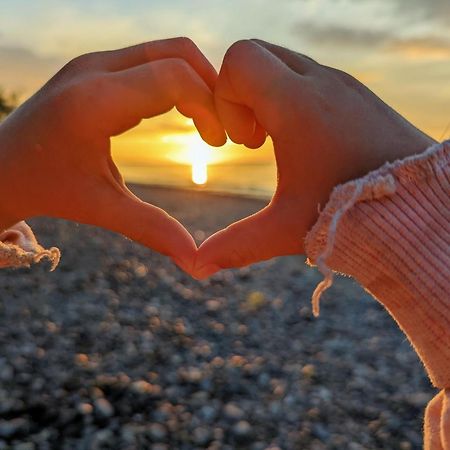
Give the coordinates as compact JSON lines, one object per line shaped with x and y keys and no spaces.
{"x":202,"y":435}
{"x":103,"y":408}
{"x":141,"y":387}
{"x":85,"y":409}
{"x":233,"y":412}
{"x":158,"y":432}
{"x":242,"y":430}
{"x":25,"y":446}
{"x":120,"y":349}
{"x":10,"y":428}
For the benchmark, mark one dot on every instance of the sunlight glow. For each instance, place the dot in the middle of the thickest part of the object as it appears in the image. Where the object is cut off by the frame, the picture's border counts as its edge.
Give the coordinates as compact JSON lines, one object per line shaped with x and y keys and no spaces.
{"x":199,"y":172}
{"x":199,"y":156}
{"x":190,"y":149}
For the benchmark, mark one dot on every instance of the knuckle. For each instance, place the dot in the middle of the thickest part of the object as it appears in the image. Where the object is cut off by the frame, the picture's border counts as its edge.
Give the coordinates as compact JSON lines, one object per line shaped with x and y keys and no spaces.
{"x":181,"y":71}
{"x":186,"y":44}
{"x":346,"y":78}
{"x":238,"y":50}
{"x":180,"y":66}
{"x":77,"y":96}
{"x":176,"y":77}
{"x":81,"y":61}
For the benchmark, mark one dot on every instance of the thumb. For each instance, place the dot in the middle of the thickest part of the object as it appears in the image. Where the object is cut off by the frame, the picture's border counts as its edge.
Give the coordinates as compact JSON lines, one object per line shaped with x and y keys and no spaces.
{"x":142,"y":222}
{"x":259,"y":237}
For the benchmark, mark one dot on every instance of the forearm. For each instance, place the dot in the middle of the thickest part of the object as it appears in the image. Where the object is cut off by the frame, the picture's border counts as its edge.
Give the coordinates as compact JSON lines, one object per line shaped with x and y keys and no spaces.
{"x":391,"y":231}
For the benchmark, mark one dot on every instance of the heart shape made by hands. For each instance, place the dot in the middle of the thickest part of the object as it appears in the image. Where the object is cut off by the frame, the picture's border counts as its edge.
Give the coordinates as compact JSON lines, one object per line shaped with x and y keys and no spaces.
{"x":262,"y":89}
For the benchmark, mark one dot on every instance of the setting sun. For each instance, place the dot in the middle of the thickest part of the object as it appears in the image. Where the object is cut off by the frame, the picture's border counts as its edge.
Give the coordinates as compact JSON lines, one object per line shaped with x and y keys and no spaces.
{"x":199,"y":156}
{"x":199,"y":172}
{"x":190,"y":149}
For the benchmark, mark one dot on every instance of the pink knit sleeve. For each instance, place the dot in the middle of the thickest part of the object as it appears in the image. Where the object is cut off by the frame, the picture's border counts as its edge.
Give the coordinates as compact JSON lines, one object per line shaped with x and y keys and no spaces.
{"x":19,"y":248}
{"x":390,"y":230}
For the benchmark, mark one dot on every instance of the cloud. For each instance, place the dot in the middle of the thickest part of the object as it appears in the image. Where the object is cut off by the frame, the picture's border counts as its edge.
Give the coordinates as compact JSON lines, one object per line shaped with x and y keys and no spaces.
{"x":341,"y":36}
{"x":435,"y":10}
{"x":425,"y":47}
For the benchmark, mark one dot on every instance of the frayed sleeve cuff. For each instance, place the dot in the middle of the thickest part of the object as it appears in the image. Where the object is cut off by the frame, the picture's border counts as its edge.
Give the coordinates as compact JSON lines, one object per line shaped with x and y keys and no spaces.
{"x":19,"y":248}
{"x":390,"y":230}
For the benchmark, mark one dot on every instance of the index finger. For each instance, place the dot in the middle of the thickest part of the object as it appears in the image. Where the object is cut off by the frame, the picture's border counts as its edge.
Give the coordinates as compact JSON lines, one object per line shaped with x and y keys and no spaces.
{"x":180,"y":47}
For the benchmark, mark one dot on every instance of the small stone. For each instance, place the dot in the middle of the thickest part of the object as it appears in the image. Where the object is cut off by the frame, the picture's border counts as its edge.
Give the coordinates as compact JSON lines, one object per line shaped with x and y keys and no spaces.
{"x":213,"y":305}
{"x":309,"y":370}
{"x":6,"y":373}
{"x":103,"y":408}
{"x":81,"y":359}
{"x":321,"y":432}
{"x":233,"y":412}
{"x":85,"y":409}
{"x":255,"y":301}
{"x":263,"y":379}
{"x":193,"y":375}
{"x":25,"y":446}
{"x":418,"y":399}
{"x":242,"y":430}
{"x":208,"y":413}
{"x":159,"y":447}
{"x":102,"y":438}
{"x":158,"y":432}
{"x":141,"y":387}
{"x":202,"y":436}
{"x":218,"y":433}
{"x":9,"y":428}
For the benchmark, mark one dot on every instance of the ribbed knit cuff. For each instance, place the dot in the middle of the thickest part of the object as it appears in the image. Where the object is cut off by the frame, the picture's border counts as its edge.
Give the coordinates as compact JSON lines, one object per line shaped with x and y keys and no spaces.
{"x":19,"y":248}
{"x":391,"y":231}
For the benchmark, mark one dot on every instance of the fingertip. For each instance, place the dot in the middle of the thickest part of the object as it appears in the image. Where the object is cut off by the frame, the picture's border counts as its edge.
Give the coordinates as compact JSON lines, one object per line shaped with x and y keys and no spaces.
{"x":211,"y":131}
{"x":258,"y":138}
{"x":238,"y":120}
{"x":216,"y":139}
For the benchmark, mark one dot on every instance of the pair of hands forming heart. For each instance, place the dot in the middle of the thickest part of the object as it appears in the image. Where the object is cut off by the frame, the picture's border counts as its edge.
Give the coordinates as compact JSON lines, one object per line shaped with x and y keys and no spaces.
{"x":326,"y":127}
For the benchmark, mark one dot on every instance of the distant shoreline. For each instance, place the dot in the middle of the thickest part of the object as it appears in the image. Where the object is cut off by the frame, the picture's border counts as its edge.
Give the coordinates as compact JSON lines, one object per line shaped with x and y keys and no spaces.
{"x":200,"y":190}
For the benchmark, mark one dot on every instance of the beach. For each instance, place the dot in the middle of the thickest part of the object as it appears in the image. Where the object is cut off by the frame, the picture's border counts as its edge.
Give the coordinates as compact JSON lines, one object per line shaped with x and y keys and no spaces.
{"x":119,"y":349}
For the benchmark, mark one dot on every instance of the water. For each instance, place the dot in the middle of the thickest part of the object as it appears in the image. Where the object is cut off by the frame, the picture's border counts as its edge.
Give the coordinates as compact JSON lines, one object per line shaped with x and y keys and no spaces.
{"x":252,"y":180}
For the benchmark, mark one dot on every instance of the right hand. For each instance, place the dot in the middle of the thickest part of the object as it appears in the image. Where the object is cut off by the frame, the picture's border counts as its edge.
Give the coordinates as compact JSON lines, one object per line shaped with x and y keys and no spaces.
{"x":327,"y":128}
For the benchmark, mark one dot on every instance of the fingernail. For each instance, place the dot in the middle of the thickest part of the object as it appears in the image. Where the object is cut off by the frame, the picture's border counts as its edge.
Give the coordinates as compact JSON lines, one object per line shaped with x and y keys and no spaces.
{"x":206,"y":271}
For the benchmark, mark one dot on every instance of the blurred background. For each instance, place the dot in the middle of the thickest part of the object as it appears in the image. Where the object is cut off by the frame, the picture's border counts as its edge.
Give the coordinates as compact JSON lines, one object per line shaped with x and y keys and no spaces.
{"x":117,"y":349}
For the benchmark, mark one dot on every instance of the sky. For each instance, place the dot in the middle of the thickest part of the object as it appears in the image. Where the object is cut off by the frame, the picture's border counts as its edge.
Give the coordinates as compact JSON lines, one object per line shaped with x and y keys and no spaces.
{"x":399,"y":48}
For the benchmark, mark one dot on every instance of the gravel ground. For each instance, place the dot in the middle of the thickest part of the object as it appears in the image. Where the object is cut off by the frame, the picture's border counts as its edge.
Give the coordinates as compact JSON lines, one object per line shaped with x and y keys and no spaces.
{"x":118,"y":349}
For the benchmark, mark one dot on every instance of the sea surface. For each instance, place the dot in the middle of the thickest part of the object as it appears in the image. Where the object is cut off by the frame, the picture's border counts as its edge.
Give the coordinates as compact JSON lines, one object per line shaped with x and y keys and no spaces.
{"x":250,"y":180}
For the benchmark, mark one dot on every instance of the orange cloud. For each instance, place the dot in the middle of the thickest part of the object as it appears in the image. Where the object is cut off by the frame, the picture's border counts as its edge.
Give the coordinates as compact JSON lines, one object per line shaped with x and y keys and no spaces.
{"x":428,"y":47}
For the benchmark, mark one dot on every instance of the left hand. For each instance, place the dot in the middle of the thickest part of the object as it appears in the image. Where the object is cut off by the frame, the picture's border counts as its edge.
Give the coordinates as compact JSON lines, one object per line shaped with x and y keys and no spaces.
{"x":55,"y":149}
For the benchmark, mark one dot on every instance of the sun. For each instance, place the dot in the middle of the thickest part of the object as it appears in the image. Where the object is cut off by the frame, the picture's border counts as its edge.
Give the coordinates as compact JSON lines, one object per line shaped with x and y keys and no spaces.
{"x":199,"y":156}
{"x":199,"y":172}
{"x":190,"y":149}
